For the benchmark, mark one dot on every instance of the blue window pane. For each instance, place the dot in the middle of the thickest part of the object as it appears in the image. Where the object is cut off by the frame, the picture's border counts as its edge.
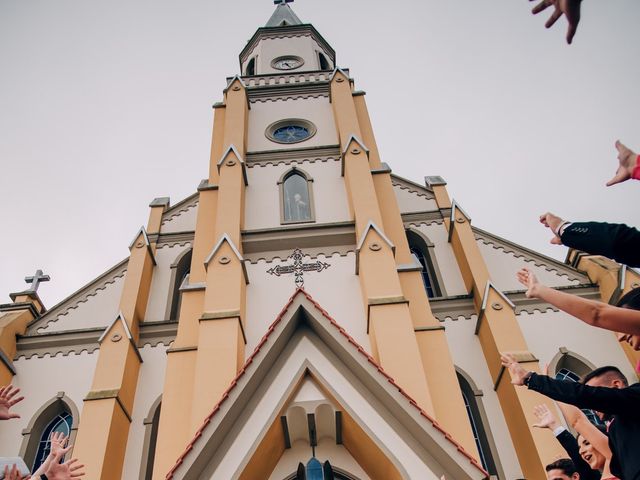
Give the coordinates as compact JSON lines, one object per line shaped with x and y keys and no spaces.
{"x":474,"y":430}
{"x":425,"y":272}
{"x":314,"y":469}
{"x":291,"y":134}
{"x":61,"y":423}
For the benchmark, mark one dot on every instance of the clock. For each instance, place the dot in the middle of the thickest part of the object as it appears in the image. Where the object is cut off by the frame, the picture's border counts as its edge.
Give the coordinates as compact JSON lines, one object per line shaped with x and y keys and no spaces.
{"x":289,"y":62}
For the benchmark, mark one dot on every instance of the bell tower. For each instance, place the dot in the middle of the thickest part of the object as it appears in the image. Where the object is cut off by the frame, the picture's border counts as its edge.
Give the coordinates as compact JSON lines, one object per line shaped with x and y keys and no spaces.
{"x":285,"y":45}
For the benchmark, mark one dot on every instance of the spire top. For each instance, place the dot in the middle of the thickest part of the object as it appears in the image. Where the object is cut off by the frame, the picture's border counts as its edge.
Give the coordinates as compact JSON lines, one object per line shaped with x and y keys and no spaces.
{"x":283,"y":16}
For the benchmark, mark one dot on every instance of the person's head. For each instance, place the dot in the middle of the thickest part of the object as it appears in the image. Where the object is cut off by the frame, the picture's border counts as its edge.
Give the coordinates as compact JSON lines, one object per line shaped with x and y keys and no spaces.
{"x":630,"y":300}
{"x":609,"y":376}
{"x":562,"y":469}
{"x":589,"y":454}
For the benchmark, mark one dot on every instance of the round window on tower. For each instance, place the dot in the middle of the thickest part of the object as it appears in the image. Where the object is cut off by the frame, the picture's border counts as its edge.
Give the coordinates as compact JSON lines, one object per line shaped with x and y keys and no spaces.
{"x":291,"y":130}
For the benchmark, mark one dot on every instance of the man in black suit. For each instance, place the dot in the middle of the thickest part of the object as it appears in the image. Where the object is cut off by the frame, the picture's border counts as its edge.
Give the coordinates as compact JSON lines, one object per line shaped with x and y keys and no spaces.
{"x":604,"y":390}
{"x":613,"y":240}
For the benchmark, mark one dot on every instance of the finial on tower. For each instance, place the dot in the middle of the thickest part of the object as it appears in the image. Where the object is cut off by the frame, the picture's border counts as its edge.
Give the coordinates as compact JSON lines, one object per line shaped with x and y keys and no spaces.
{"x":281,"y":2}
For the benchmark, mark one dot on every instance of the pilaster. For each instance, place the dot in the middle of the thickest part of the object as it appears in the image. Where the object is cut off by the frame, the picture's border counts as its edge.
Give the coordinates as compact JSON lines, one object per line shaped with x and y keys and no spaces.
{"x":106,"y":414}
{"x":174,"y":430}
{"x":14,"y":319}
{"x":613,"y":280}
{"x":448,"y":404}
{"x":498,"y":331}
{"x":220,"y":337}
{"x":389,"y":321}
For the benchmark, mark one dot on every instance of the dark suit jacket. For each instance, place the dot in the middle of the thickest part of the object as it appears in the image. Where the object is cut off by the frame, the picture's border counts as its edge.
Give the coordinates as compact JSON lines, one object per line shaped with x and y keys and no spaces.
{"x":616,"y":241}
{"x":622,"y":403}
{"x":570,"y":445}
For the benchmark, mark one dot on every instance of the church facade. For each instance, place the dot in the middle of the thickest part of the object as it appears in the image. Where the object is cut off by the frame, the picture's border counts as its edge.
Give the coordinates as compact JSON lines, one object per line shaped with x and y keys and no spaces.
{"x":305,"y":313}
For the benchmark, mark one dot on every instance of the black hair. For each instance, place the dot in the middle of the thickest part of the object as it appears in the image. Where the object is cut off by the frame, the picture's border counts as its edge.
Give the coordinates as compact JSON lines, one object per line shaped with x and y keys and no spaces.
{"x":564,"y":464}
{"x":598,"y":372}
{"x":630,"y":300}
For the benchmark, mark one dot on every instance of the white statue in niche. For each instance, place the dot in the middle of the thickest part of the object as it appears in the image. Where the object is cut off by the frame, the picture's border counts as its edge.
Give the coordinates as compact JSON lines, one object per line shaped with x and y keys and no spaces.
{"x":296,"y":199}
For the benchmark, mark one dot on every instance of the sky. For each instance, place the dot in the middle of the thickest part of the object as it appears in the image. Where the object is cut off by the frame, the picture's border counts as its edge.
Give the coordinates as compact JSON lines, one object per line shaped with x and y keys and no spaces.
{"x":106,"y":105}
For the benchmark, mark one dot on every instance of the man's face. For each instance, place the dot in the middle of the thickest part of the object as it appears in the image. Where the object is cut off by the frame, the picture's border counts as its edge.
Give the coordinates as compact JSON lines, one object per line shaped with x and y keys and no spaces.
{"x":557,"y":474}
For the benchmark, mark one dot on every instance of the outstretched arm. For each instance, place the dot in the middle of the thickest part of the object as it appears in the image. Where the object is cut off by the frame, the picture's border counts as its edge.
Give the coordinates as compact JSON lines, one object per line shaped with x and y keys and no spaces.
{"x":614,"y":401}
{"x":581,"y":424}
{"x":594,"y":313}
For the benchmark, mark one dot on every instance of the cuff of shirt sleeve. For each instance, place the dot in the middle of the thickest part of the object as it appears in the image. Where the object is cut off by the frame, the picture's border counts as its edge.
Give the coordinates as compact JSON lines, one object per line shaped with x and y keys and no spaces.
{"x":558,"y":430}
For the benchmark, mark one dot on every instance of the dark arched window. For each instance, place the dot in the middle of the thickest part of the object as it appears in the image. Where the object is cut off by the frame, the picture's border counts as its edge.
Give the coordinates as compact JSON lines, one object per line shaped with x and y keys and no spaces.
{"x":179,"y":272}
{"x":296,"y":198}
{"x":324,"y":63}
{"x":59,"y":423}
{"x":478,"y":427}
{"x":59,"y":414}
{"x":150,"y":438}
{"x":251,"y":67}
{"x":421,"y":250}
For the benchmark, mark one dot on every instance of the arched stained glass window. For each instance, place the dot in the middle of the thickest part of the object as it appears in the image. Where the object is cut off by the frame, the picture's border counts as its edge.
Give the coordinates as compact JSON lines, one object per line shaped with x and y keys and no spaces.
{"x":60,"y":423}
{"x":479,"y":424}
{"x":296,"y":198}
{"x":179,"y":272}
{"x":422,"y":251}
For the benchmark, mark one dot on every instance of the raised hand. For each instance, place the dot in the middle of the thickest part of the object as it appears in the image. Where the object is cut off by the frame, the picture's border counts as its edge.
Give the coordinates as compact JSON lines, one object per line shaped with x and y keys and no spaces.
{"x":554,"y":223}
{"x":546,"y":419}
{"x":13,"y":473}
{"x":527,"y":278}
{"x":628,"y":160}
{"x":568,"y":8}
{"x":63,"y":471}
{"x":7,"y":400}
{"x":58,"y":441}
{"x":518,"y":374}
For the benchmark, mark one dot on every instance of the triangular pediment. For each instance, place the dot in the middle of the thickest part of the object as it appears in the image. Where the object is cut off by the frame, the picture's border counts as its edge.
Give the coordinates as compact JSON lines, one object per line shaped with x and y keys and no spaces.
{"x":305,"y":342}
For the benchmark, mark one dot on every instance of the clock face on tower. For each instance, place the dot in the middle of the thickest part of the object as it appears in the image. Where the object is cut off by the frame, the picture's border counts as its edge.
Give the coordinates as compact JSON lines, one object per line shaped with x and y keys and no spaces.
{"x":289,"y":62}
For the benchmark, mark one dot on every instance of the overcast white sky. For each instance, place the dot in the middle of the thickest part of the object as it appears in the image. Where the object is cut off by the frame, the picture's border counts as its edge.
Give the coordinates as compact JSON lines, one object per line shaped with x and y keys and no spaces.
{"x":106,"y":105}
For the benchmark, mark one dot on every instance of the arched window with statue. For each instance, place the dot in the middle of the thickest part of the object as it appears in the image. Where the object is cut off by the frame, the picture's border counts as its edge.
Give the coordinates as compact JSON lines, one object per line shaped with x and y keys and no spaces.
{"x":296,"y":197}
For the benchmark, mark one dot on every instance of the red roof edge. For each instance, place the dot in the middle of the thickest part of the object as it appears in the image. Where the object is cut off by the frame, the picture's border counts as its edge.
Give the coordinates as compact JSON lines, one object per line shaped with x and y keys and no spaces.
{"x":360,"y":349}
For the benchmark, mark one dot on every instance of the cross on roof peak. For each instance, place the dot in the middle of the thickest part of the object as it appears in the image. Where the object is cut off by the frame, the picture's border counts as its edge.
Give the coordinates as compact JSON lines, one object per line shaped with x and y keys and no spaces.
{"x":35,"y":280}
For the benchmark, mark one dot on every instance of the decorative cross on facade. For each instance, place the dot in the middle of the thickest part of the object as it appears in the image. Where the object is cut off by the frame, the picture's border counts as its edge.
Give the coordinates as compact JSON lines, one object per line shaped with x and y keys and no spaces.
{"x":35,"y":280}
{"x":281,"y":2}
{"x":298,"y":268}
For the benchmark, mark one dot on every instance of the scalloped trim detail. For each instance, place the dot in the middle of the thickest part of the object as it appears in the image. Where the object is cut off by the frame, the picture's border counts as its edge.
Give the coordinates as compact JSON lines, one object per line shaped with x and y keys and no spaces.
{"x":277,"y":258}
{"x":412,"y":190}
{"x":177,"y":243}
{"x":301,"y":96}
{"x":520,"y":255}
{"x":426,"y":223}
{"x":85,"y":298}
{"x":61,"y":353}
{"x":275,"y":163}
{"x":180,"y":211}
